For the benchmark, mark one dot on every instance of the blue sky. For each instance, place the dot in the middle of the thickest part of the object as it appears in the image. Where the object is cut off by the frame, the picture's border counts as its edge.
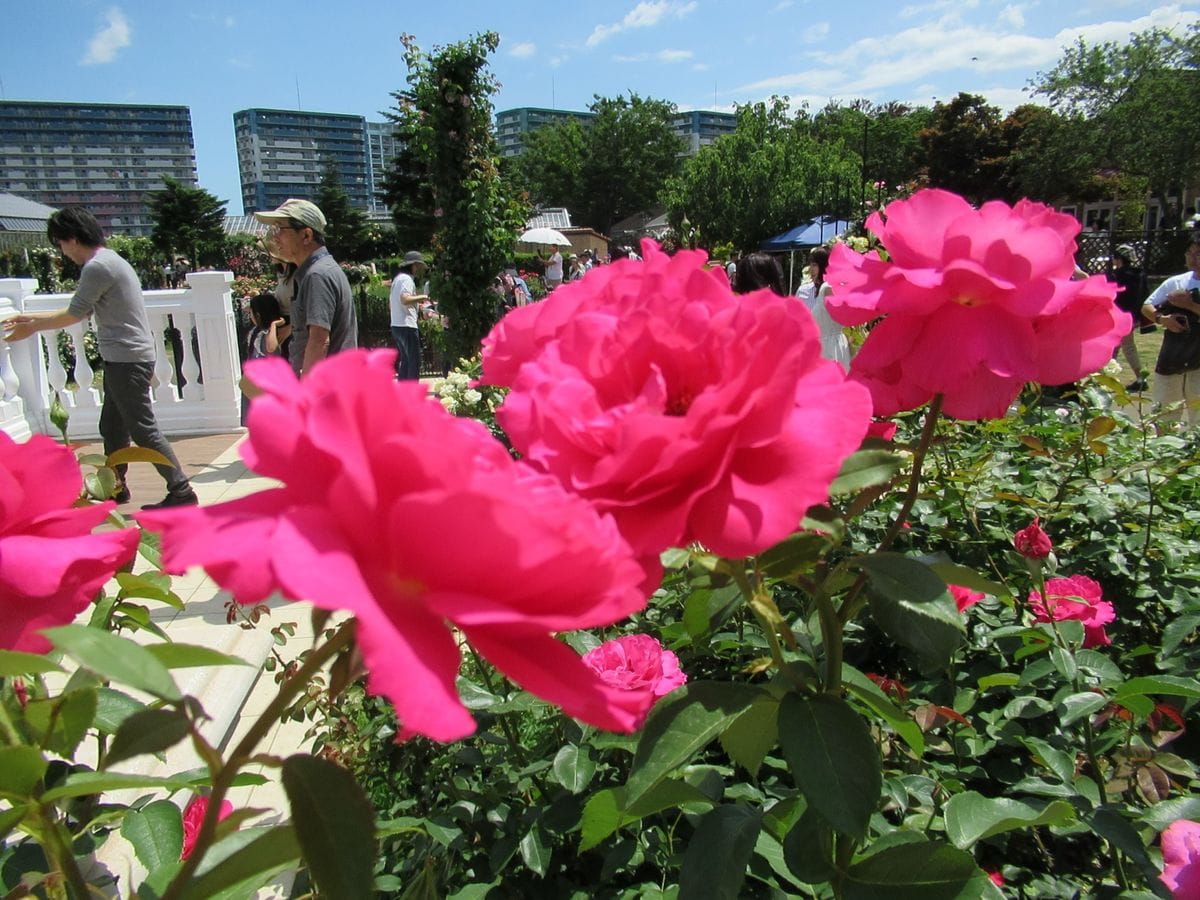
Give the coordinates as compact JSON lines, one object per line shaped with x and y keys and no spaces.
{"x":700,"y":54}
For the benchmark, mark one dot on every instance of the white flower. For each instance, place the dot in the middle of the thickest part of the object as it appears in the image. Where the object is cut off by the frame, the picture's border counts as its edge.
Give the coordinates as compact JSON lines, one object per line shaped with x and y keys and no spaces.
{"x":1062,"y":412}
{"x":459,"y":379}
{"x":450,"y":404}
{"x":472,"y":396}
{"x":1112,"y":367}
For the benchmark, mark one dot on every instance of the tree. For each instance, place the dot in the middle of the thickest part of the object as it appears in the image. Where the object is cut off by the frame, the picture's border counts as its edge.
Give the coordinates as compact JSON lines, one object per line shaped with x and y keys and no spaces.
{"x":406,"y":188}
{"x":1050,"y":157}
{"x":607,"y":170}
{"x":447,"y":114}
{"x":188,"y":221}
{"x":769,"y":175}
{"x":964,"y":148}
{"x":886,"y":138}
{"x":1142,"y":101}
{"x":345,"y":226}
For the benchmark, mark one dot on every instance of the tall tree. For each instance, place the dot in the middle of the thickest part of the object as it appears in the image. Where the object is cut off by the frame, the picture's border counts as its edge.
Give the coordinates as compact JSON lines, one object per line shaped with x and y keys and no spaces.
{"x":447,"y":111}
{"x":346,"y":227}
{"x":884,"y":137}
{"x":769,"y":175}
{"x":1142,"y":99}
{"x":188,"y":221}
{"x":406,"y":187}
{"x":964,"y":148}
{"x":604,"y":171}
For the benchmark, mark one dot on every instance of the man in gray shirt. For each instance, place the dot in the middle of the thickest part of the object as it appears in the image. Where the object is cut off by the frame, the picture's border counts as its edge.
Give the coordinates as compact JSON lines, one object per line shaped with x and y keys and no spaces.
{"x":323,"y":317}
{"x":109,"y":290}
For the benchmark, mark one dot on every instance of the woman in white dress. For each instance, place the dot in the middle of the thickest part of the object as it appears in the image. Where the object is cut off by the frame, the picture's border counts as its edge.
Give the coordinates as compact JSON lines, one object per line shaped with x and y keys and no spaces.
{"x":834,"y":345}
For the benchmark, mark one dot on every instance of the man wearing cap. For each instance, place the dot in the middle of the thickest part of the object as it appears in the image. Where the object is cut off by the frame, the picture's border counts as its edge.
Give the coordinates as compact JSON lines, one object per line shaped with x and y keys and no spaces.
{"x":323,"y":317}
{"x":404,"y":301}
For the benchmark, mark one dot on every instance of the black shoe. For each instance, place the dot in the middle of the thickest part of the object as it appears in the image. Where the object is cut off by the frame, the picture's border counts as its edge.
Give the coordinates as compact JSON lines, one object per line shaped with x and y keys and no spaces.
{"x":188,"y":499}
{"x":121,"y":496}
{"x":1138,"y":384}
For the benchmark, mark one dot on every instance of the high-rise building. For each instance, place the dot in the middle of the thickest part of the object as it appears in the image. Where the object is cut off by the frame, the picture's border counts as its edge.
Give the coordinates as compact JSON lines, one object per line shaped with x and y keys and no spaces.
{"x":108,"y":157}
{"x":696,"y":128}
{"x":513,"y":124}
{"x":283,"y":153}
{"x":382,"y":148}
{"x":700,"y":127}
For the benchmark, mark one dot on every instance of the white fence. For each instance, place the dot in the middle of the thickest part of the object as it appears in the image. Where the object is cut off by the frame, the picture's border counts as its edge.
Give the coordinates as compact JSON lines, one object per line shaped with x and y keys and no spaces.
{"x":209,"y":402}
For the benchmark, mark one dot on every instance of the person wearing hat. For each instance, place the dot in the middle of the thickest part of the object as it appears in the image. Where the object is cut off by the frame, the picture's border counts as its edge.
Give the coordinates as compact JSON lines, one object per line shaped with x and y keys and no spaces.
{"x":1130,"y":297}
{"x":323,"y":316}
{"x":1175,"y":305}
{"x":404,"y":301}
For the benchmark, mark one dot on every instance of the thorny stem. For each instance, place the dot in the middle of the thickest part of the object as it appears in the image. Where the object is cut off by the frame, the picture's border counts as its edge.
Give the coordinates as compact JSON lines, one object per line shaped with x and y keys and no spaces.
{"x":223,"y":778}
{"x":831,"y":637}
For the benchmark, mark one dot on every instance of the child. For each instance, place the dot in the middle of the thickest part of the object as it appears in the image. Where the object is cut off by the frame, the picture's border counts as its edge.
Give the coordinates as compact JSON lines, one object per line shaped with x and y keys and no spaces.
{"x":269,"y":336}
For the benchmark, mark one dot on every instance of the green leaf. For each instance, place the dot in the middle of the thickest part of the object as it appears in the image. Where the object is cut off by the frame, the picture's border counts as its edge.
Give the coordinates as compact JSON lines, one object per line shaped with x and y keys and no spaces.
{"x":913,"y":606}
{"x":334,"y":823}
{"x":601,"y":817}
{"x":753,"y":734}
{"x":793,"y":555}
{"x":714,"y":866}
{"x":833,"y":759}
{"x":1076,"y":706}
{"x":113,"y":708}
{"x":127,"y":455}
{"x":1160,"y":815}
{"x":11,"y":818}
{"x":242,"y":862}
{"x":156,"y":833}
{"x":535,"y":852}
{"x":13,"y":662}
{"x":1169,"y":685}
{"x":115,"y":658}
{"x":971,"y":817}
{"x":149,"y":731}
{"x":864,"y":469}
{"x":605,"y":811}
{"x":870,"y":693}
{"x":968,"y":578}
{"x":189,"y":656}
{"x":21,"y":768}
{"x":681,"y":725}
{"x":81,"y":784}
{"x":808,"y":849}
{"x":574,"y":767}
{"x":62,"y":721}
{"x":1000,"y":679}
{"x":916,"y":871}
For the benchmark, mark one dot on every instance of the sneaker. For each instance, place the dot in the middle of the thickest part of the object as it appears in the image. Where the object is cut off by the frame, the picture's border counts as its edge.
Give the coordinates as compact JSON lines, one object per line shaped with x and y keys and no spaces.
{"x":188,"y":499}
{"x":1138,"y":384}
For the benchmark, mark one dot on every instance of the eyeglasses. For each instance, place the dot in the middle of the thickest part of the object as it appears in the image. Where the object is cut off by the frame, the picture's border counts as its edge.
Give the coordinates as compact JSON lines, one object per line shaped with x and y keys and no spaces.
{"x":280,"y":229}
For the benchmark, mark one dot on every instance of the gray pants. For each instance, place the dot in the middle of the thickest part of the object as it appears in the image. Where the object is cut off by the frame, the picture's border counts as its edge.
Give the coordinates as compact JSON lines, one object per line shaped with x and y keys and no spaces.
{"x":127,"y":414}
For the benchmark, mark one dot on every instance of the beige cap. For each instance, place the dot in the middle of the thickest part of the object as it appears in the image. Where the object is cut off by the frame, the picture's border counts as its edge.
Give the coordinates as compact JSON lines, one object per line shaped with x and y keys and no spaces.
{"x":305,"y":212}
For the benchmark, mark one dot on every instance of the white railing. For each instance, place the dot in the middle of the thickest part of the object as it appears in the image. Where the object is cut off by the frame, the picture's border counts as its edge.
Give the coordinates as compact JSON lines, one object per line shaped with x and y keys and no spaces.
{"x":32,"y":373}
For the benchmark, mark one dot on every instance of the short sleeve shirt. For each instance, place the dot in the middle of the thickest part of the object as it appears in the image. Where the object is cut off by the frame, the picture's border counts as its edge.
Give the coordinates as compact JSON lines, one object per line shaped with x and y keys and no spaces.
{"x":110,"y":291}
{"x":403,"y":315}
{"x":322,"y":298}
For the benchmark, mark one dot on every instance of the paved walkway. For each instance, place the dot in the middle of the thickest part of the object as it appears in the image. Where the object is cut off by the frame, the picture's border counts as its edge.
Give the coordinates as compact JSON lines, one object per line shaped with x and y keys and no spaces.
{"x":232,"y":696}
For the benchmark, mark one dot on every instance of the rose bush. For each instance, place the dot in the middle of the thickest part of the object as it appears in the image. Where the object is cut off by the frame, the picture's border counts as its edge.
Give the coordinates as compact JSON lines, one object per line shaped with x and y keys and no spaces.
{"x":685,"y":411}
{"x":973,"y":303}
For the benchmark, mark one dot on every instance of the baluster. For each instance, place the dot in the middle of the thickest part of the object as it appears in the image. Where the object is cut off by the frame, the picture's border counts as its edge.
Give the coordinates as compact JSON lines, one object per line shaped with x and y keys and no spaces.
{"x":191,"y":366}
{"x":85,"y":376}
{"x":55,"y":373}
{"x":10,"y":383}
{"x":164,"y":372}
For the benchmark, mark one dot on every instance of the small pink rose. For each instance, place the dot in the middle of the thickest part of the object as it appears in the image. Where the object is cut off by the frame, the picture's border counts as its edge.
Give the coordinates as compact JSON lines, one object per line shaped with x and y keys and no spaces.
{"x":1032,"y":542}
{"x":636,"y":662}
{"x":964,"y":598}
{"x":193,"y":818}
{"x":1077,"y":598}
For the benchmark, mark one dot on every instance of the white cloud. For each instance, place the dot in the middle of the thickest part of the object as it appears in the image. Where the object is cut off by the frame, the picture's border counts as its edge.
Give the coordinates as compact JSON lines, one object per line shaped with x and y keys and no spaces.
{"x":523,"y":50}
{"x":664,"y":56}
{"x":815,"y":33}
{"x":952,"y":7}
{"x":645,"y":15}
{"x":115,"y":35}
{"x":781,"y":6}
{"x":1012,"y":16}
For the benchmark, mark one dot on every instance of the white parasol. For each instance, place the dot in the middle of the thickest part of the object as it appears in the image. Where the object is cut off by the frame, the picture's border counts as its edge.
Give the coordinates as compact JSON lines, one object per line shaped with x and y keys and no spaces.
{"x":544,"y":236}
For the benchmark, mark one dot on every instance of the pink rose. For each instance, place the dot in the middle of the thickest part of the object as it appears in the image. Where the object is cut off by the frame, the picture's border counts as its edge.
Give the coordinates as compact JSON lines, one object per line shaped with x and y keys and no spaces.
{"x":425,"y":528}
{"x":1079,"y":598}
{"x":193,"y":818}
{"x":964,"y":598}
{"x":686,"y":411}
{"x":636,"y":661}
{"x":51,"y":564}
{"x":974,"y":303}
{"x":1181,"y":859}
{"x":1032,"y":542}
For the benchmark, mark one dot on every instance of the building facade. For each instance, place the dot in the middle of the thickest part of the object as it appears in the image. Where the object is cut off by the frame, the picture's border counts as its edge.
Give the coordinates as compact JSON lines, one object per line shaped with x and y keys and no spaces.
{"x":283,"y":153}
{"x":700,"y":127}
{"x":696,"y":128}
{"x":382,"y":148}
{"x":105,"y":156}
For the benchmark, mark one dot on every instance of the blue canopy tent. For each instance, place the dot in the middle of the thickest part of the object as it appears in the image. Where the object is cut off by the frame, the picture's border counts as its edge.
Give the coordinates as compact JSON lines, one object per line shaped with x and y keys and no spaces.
{"x":806,"y":234}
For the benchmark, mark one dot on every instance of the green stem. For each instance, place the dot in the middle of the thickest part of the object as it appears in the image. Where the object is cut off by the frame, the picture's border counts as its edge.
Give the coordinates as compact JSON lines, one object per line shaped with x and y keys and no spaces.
{"x":7,"y":729}
{"x":223,"y":778}
{"x":831,"y":637}
{"x":62,"y":856}
{"x":914,"y":483}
